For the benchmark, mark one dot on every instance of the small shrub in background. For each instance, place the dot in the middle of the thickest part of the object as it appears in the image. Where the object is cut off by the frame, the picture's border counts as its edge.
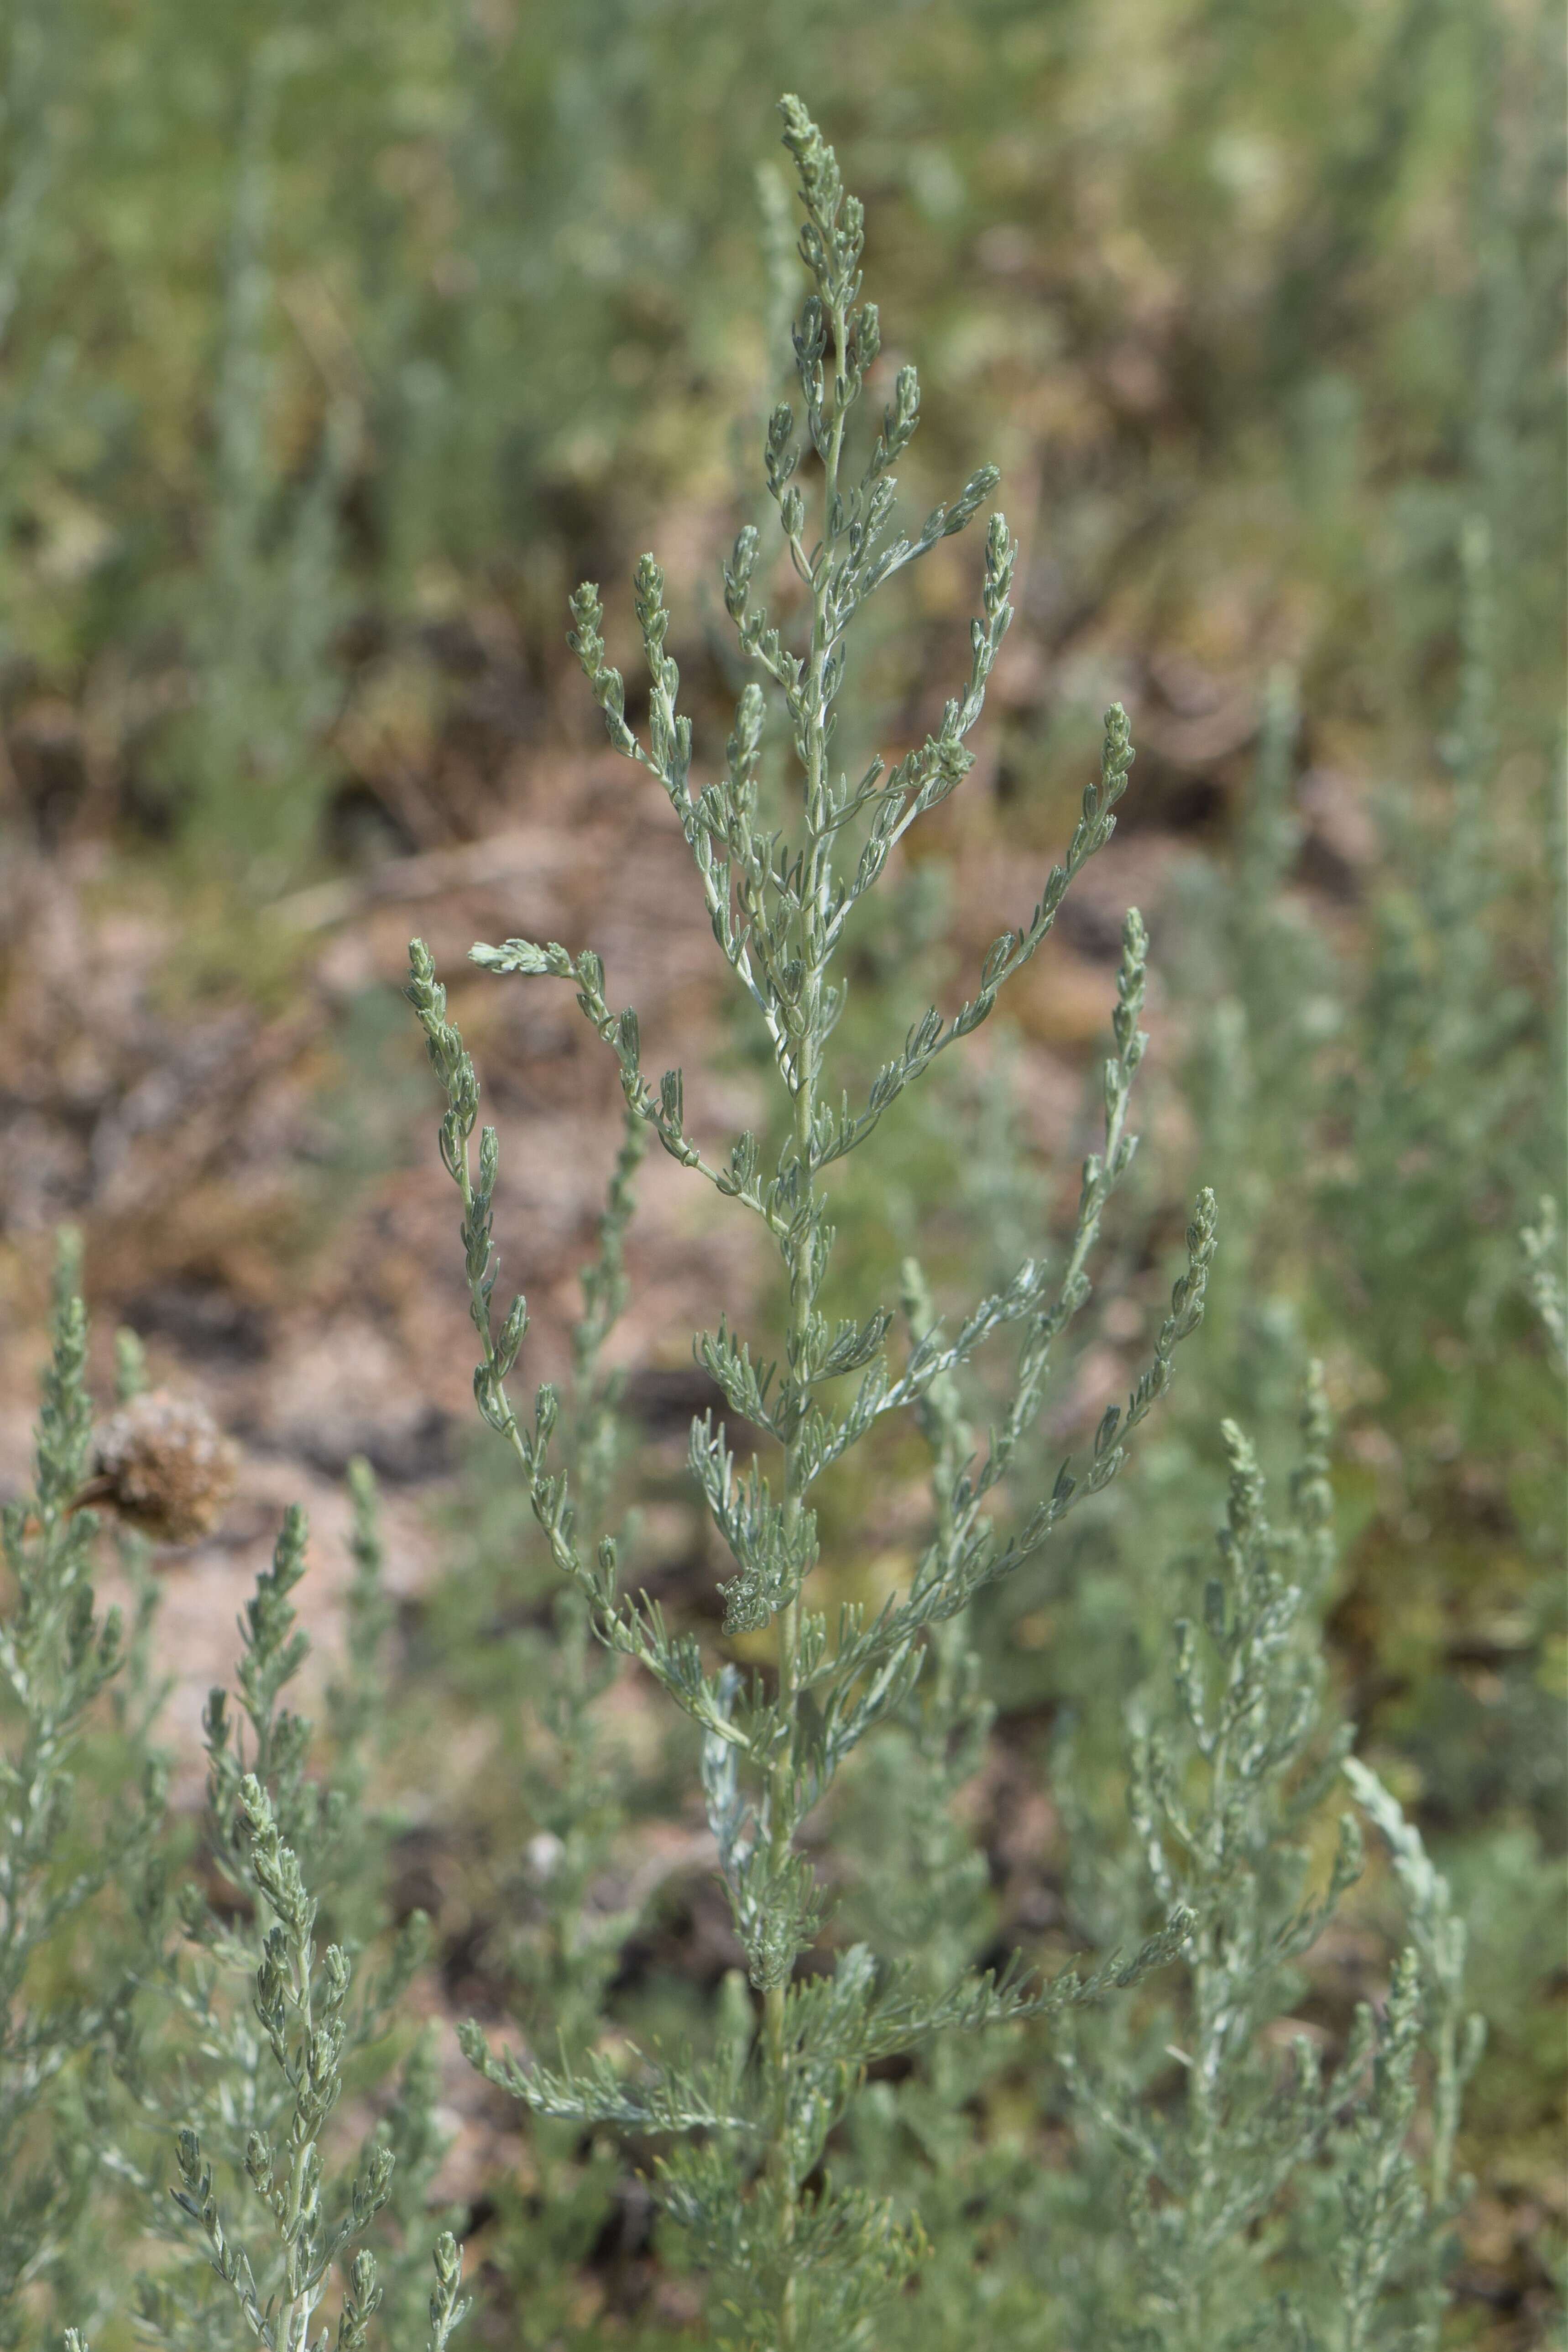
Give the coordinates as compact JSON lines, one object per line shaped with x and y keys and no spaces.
{"x":331,"y":338}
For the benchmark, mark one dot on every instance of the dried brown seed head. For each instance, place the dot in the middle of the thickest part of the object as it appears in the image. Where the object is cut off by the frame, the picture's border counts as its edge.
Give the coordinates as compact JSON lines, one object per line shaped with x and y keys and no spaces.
{"x":163,"y":1466}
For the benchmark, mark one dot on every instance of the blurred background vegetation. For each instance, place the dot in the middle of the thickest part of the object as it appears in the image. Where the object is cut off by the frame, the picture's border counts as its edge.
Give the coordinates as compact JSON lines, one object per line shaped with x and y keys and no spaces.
{"x":338,"y":342}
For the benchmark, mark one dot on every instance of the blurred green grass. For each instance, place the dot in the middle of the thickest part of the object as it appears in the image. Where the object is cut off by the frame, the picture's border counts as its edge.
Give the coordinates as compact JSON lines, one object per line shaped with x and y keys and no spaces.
{"x":327,"y":324}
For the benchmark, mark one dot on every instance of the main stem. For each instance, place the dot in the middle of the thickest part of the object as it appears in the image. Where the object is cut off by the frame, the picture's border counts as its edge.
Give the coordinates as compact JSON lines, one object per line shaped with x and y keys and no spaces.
{"x":1212,"y":1994}
{"x":807,"y":1072}
{"x":781,"y":2160}
{"x":302,"y":2301}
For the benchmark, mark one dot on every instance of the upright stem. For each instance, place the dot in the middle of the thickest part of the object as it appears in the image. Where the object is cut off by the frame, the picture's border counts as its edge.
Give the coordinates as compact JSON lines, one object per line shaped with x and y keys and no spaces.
{"x":1214,"y":1992}
{"x":807,"y":1072}
{"x":781,"y":2162}
{"x":302,"y":2301}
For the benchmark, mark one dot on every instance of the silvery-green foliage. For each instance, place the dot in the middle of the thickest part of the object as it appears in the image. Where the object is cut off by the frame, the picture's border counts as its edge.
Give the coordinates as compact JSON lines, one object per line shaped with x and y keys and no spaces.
{"x":1258,"y":984}
{"x":568,"y":1941}
{"x":57,"y":1654}
{"x":922,"y":1888}
{"x":301,"y":2007}
{"x":144,"y":2011}
{"x":749,"y":2126}
{"x":253,"y":2019}
{"x":83,"y":1831}
{"x":1411,"y":1073}
{"x":1543,"y":1254}
{"x":1395,"y":2210}
{"x":409,"y":2130}
{"x":1270,"y":2192}
{"x":1439,"y":1094}
{"x":1405,"y":1125}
